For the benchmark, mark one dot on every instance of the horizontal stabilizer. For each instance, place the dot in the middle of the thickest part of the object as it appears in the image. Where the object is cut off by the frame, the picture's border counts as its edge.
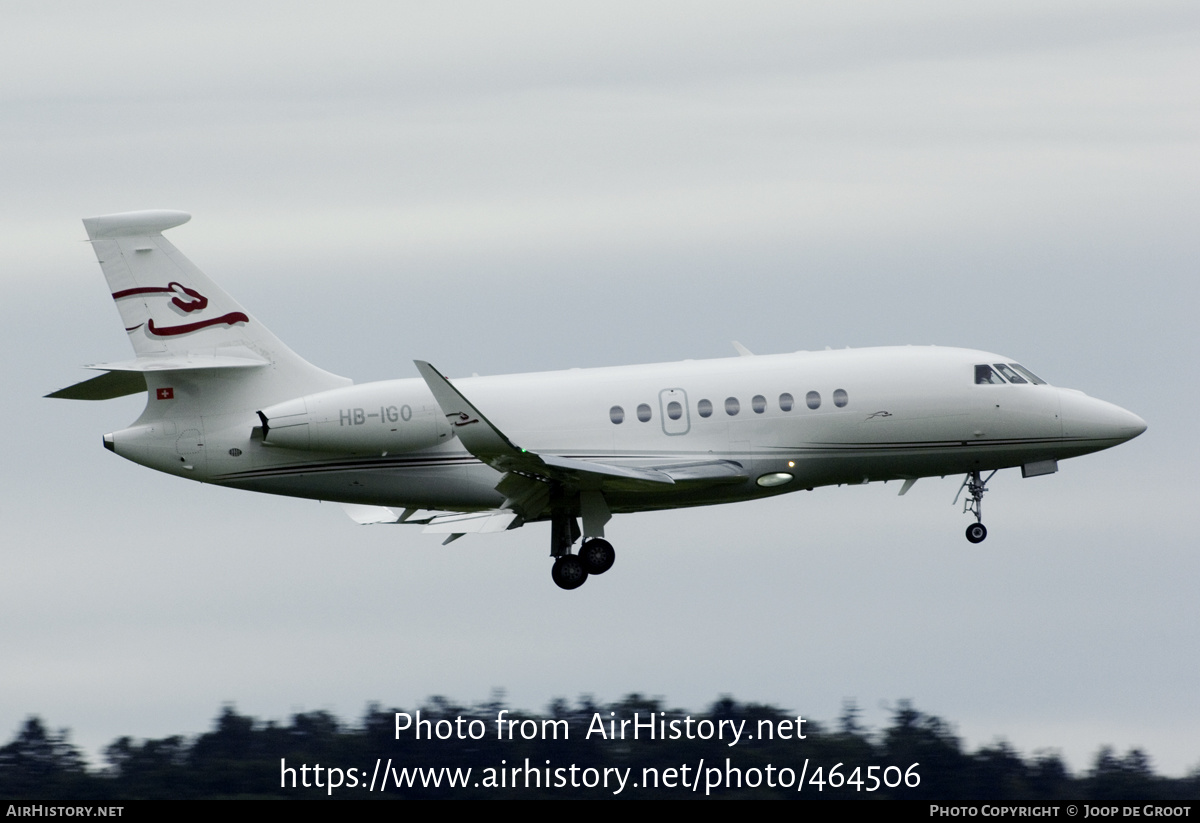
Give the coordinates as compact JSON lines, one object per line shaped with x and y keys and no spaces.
{"x":127,"y":377}
{"x":105,"y":387}
{"x":188,"y":360}
{"x":134,"y":223}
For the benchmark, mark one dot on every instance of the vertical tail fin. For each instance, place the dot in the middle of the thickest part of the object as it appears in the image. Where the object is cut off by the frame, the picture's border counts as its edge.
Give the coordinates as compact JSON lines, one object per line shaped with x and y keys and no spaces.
{"x":179,"y":320}
{"x":169,"y":307}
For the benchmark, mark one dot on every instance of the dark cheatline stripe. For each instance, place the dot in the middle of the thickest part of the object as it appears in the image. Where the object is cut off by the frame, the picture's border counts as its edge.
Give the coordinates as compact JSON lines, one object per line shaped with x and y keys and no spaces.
{"x":390,"y":463}
{"x":360,"y":464}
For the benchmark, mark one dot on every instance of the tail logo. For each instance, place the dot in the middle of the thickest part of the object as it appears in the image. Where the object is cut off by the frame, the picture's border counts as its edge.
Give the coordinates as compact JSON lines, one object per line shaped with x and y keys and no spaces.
{"x":186,"y":300}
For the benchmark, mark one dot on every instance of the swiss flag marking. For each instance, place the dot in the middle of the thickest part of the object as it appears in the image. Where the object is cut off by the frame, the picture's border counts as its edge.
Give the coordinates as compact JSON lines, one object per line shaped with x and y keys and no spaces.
{"x":165,"y":394}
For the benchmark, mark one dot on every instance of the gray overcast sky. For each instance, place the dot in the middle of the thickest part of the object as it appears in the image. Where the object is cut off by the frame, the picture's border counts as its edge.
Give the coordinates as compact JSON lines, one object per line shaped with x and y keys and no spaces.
{"x":541,"y":185}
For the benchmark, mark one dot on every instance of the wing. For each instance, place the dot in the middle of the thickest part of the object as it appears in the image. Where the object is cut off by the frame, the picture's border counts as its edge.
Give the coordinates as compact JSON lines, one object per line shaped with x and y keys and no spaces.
{"x":529,"y":477}
{"x":485,"y":441}
{"x":455,"y":524}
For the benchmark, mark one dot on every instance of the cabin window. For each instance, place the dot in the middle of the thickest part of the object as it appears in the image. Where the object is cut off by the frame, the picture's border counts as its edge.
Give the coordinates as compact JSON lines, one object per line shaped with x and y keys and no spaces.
{"x":840,"y":398}
{"x":643,"y":412}
{"x":1033,"y":378}
{"x":786,"y":401}
{"x":704,"y":408}
{"x":616,"y":414}
{"x":674,"y":410}
{"x":813,"y":399}
{"x":758,"y":403}
{"x":732,"y":406}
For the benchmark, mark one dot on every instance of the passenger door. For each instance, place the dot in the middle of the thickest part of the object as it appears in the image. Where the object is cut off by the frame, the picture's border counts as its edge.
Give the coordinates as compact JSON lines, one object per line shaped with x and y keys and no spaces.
{"x":673,"y":408}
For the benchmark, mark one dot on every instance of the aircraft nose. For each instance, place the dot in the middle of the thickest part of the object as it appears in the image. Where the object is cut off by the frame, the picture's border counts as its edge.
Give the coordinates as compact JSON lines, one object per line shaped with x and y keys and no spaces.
{"x":1086,"y":418}
{"x":1135,"y":425}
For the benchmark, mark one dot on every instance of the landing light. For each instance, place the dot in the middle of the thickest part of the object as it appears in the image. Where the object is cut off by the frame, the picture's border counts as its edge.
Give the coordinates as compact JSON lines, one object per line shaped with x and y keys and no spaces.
{"x":775,"y":479}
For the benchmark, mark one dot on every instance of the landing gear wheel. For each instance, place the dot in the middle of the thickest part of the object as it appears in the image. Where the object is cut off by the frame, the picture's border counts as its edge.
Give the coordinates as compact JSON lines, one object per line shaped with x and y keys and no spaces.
{"x":597,"y":555}
{"x":975,"y":486}
{"x":569,"y":572}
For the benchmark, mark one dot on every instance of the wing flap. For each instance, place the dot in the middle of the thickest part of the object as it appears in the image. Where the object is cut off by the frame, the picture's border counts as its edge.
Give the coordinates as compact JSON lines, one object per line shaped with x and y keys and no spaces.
{"x":489,"y":522}
{"x":595,"y":467}
{"x":706,"y":472}
{"x":370,"y":515}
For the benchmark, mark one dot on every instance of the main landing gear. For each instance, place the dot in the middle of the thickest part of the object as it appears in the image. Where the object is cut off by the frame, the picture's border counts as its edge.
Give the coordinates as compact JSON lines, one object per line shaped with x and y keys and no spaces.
{"x":976,"y":532}
{"x":568,"y":572}
{"x":596,"y":556}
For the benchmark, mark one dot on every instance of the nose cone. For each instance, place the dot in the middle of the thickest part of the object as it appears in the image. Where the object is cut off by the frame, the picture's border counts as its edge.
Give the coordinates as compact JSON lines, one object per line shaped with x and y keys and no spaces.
{"x":1096,"y":423}
{"x":1135,"y":425}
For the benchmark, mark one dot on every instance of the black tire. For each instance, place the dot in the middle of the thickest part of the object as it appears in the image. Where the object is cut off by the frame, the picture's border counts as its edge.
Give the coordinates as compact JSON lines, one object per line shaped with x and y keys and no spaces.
{"x":597,"y":555}
{"x":569,"y":572}
{"x":976,"y":532}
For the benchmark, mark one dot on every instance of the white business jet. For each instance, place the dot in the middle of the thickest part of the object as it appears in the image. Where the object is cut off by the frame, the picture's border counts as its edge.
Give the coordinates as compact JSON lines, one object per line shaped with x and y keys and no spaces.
{"x":228,"y":403}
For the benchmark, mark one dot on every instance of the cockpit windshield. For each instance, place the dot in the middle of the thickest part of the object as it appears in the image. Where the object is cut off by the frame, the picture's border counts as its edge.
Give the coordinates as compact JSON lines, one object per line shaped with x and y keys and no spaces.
{"x":1033,"y":378}
{"x":1009,"y":375}
{"x":997,"y":374}
{"x":985,"y":375}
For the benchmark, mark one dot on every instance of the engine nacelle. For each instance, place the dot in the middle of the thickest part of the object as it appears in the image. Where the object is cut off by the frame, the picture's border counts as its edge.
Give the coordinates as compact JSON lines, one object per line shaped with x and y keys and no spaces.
{"x":387,"y":417}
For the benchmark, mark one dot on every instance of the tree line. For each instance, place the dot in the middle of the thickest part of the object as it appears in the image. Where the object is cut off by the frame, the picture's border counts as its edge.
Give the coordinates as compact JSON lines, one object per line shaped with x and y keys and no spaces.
{"x":243,"y":757}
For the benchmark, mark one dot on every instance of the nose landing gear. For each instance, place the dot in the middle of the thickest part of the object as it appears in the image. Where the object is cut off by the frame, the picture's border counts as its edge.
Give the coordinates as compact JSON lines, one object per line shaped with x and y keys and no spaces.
{"x":976,"y":532}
